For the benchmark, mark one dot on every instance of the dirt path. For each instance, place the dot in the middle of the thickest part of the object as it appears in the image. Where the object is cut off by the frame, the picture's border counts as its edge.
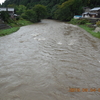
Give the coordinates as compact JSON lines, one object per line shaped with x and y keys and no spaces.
{"x":44,"y":61}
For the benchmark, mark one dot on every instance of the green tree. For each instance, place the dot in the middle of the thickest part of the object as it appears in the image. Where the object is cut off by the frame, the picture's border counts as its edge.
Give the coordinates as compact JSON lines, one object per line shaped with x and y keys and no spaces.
{"x":11,"y":5}
{"x":64,"y":11}
{"x":35,"y":14}
{"x":53,"y":10}
{"x":41,"y":11}
{"x":20,"y":9}
{"x":30,"y":15}
{"x":77,"y":7}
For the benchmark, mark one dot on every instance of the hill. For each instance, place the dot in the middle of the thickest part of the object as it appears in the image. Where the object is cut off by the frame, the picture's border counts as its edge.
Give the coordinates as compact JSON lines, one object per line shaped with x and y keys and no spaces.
{"x":57,"y":9}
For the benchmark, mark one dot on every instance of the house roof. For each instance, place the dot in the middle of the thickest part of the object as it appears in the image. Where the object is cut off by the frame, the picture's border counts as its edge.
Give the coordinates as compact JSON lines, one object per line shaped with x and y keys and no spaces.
{"x":96,"y":8}
{"x":6,"y":9}
{"x":86,"y":13}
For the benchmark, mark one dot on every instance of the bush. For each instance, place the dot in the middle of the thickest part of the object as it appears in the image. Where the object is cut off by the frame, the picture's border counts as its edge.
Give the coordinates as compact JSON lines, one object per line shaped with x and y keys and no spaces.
{"x":88,"y":24}
{"x":98,"y":23}
{"x":80,"y":21}
{"x":74,"y":21}
{"x":4,"y":15}
{"x":18,"y":17}
{"x":83,"y":21}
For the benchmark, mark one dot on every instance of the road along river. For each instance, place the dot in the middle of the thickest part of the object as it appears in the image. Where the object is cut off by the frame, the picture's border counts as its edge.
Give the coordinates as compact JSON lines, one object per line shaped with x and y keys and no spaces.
{"x":50,"y":60}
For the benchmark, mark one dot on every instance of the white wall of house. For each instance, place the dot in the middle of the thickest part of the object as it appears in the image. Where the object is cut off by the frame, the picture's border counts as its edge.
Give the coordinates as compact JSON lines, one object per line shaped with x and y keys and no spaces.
{"x":7,"y":9}
{"x":2,"y":9}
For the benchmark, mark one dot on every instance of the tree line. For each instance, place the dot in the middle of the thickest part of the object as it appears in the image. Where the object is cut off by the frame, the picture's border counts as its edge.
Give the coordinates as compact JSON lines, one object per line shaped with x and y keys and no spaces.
{"x":35,"y":10}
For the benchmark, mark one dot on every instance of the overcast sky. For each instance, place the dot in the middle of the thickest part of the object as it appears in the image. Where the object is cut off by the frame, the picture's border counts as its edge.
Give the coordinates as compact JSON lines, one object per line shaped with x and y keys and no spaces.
{"x":1,"y":1}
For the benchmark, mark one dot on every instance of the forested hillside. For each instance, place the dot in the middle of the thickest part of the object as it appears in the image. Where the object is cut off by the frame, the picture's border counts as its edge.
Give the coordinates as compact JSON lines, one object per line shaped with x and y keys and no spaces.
{"x":57,"y":9}
{"x":49,"y":3}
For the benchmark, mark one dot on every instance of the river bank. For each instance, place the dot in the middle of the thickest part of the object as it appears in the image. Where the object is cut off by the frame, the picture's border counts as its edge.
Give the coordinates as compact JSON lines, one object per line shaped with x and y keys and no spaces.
{"x":14,"y":27}
{"x":87,"y":25}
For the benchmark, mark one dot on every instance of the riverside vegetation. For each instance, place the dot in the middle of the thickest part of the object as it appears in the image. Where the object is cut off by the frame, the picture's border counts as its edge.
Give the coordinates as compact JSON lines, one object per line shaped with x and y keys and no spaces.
{"x":14,"y":26}
{"x":87,"y":25}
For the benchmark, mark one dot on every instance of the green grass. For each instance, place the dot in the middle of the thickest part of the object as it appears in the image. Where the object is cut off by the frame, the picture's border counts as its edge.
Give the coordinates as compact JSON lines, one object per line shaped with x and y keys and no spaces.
{"x":8,"y":31}
{"x":15,"y":27}
{"x":23,"y":22}
{"x":90,"y":30}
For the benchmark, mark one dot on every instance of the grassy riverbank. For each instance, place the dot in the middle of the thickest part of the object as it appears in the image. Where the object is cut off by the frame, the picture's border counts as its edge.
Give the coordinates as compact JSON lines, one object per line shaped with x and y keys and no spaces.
{"x":90,"y":30}
{"x":15,"y":27}
{"x":84,"y":23}
{"x":8,"y":31}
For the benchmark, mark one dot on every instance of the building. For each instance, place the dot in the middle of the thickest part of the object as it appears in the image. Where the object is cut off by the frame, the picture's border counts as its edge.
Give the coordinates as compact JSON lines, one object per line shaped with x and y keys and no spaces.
{"x":10,"y":11}
{"x":92,"y":13}
{"x":95,"y":12}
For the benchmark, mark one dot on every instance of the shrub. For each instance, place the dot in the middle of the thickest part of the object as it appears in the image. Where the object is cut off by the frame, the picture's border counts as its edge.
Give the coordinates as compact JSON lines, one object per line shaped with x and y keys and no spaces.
{"x":18,"y":17}
{"x":5,"y":16}
{"x":88,"y":24}
{"x":80,"y":21}
{"x":74,"y":21}
{"x":98,"y":23}
{"x":83,"y":21}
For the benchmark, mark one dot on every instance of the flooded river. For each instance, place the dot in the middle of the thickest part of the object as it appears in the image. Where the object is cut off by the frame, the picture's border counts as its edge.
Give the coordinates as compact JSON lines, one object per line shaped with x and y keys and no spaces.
{"x":50,"y":60}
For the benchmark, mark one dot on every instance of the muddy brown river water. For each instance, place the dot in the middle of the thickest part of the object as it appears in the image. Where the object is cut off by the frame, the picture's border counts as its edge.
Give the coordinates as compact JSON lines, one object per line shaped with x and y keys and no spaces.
{"x":50,"y":60}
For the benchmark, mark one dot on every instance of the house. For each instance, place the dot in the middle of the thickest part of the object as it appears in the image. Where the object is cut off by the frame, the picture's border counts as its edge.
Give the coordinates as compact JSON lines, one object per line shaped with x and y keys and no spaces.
{"x":86,"y":12}
{"x":95,"y":12}
{"x":92,"y":13}
{"x":10,"y":11}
